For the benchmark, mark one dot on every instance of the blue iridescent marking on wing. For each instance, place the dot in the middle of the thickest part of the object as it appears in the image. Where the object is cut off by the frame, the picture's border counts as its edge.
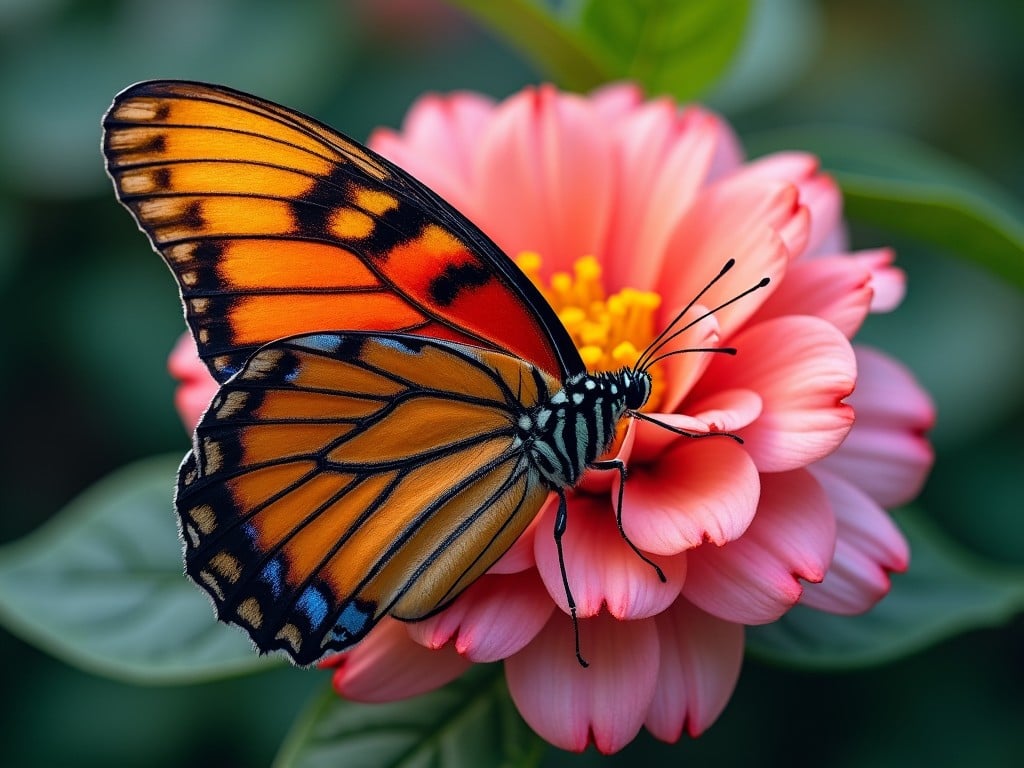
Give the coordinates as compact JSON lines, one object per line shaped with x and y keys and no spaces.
{"x":273,"y":576}
{"x":313,"y":603}
{"x":321,"y":342}
{"x":351,"y":622}
{"x":397,"y":344}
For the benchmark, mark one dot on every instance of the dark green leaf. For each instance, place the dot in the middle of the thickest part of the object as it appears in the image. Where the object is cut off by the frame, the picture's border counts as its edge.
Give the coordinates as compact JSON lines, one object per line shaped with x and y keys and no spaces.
{"x":470,"y":722}
{"x":548,"y":40}
{"x":945,"y":592}
{"x":102,"y":587}
{"x":666,"y":46}
{"x":907,"y":188}
{"x":670,"y":47}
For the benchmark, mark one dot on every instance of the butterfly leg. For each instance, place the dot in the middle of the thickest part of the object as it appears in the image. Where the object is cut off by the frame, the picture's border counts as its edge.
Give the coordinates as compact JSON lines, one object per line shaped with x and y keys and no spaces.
{"x":561,"y":519}
{"x":619,"y":466}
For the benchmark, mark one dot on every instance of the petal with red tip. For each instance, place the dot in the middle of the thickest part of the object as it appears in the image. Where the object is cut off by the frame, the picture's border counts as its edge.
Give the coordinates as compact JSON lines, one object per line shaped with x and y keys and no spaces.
{"x":602,"y":570}
{"x":701,"y":490}
{"x":802,"y":368}
{"x":496,"y":617}
{"x":886,"y":454}
{"x":605,"y":703}
{"x":869,"y":547}
{"x":388,"y":666}
{"x":835,"y":288}
{"x":756,"y":579}
{"x":701,"y":658}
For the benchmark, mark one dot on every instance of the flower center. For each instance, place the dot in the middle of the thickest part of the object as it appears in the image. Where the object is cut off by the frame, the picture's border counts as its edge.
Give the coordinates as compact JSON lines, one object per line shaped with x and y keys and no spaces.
{"x":610,"y":332}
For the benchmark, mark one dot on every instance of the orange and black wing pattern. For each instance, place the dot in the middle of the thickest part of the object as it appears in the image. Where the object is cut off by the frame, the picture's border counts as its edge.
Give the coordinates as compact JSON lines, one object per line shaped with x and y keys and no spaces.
{"x":275,"y":225}
{"x":341,"y":477}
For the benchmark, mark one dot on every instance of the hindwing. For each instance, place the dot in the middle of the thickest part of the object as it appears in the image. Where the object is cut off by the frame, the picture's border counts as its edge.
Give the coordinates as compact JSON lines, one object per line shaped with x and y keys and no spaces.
{"x":341,"y":477}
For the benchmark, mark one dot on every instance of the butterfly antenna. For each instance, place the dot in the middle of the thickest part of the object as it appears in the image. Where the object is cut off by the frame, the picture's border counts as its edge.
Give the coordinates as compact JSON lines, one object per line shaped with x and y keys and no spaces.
{"x":648,"y":358}
{"x":654,"y":345}
{"x":659,"y":358}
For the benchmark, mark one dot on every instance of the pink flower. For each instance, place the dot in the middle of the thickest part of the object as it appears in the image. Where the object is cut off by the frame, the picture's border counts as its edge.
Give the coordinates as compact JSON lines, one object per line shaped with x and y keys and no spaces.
{"x":196,"y":386}
{"x":661,"y":199}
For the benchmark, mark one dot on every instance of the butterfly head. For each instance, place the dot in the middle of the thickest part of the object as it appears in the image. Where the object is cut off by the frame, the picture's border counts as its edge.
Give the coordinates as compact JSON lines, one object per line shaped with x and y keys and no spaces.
{"x":638,"y":386}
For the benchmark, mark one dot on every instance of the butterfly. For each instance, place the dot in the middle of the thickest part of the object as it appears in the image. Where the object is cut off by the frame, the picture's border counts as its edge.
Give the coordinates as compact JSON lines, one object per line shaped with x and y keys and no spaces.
{"x":397,"y":400}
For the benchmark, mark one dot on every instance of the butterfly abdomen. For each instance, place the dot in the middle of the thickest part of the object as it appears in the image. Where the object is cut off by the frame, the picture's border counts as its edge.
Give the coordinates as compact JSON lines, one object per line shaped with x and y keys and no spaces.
{"x":576,"y":425}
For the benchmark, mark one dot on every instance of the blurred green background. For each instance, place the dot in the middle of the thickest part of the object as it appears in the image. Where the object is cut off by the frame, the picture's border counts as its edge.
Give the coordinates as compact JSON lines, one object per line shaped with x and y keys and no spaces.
{"x":89,"y":315}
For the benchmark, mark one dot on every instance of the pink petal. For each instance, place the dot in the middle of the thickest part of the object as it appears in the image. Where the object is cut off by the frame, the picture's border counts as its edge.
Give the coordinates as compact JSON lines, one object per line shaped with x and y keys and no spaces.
{"x":603,"y":571}
{"x":869,"y":547}
{"x":662,"y":161}
{"x":756,"y":579}
{"x":824,"y":202}
{"x":728,"y":410}
{"x":436,"y":144}
{"x":196,"y":386}
{"x":886,"y":453}
{"x":606,"y":703}
{"x":616,"y":101}
{"x":652,"y":440}
{"x":818,"y":193}
{"x":700,"y":663}
{"x":545,"y":171}
{"x":496,"y":617}
{"x":701,"y":490}
{"x":834,"y":288}
{"x":836,"y":241}
{"x":728,"y":151}
{"x":724,"y":411}
{"x":681,"y":371}
{"x":729,"y":221}
{"x":388,"y":666}
{"x":793,"y":167}
{"x":802,"y":368}
{"x":888,"y":283}
{"x":437,"y":136}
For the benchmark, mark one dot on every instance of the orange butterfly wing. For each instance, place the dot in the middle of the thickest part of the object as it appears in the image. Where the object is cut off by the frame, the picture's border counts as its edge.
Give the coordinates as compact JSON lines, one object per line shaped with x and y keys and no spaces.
{"x":273,"y":225}
{"x":341,"y":477}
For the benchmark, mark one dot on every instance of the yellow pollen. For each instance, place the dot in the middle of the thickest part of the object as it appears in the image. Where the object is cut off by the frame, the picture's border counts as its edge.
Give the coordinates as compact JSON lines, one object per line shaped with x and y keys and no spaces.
{"x":611,"y":332}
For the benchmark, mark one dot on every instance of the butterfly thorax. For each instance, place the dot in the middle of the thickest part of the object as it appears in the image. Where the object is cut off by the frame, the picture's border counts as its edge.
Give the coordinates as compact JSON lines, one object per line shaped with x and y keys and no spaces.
{"x":565,"y":433}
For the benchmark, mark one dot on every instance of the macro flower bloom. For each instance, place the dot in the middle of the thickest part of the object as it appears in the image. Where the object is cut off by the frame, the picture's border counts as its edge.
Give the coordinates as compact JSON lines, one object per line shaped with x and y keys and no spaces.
{"x":622,"y":210}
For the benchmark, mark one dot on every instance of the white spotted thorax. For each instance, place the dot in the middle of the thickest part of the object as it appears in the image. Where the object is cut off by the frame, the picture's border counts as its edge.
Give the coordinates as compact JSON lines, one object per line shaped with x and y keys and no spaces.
{"x":576,"y":425}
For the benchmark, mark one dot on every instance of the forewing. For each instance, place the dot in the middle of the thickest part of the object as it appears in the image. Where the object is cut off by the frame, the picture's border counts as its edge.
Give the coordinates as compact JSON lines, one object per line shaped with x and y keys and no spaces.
{"x":338,"y":478}
{"x":275,"y":225}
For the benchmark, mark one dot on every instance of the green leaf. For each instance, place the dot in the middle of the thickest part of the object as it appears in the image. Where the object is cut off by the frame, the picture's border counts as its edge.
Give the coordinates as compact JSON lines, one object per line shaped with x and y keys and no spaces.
{"x":547,"y":39}
{"x":904,"y":187}
{"x":469,"y":722}
{"x":102,"y":587}
{"x":945,"y":592}
{"x":678,"y":48}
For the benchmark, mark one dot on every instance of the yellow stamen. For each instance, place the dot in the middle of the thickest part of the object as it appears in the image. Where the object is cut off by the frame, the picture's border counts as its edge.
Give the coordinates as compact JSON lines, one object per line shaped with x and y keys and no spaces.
{"x":611,"y":332}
